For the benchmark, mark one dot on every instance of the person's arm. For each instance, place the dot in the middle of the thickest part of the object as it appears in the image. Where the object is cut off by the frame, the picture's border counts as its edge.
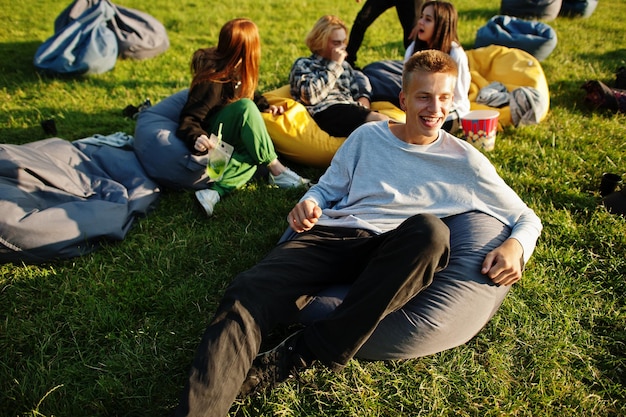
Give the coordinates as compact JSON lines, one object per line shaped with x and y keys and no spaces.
{"x":312,"y":79}
{"x":463,"y":82}
{"x":265,"y":107}
{"x":504,"y":264}
{"x":202,"y":98}
{"x":361,"y":88}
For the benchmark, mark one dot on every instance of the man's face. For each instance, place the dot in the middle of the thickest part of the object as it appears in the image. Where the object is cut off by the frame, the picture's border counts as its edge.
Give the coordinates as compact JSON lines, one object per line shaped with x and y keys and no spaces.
{"x":336,"y":40}
{"x":427,"y":101}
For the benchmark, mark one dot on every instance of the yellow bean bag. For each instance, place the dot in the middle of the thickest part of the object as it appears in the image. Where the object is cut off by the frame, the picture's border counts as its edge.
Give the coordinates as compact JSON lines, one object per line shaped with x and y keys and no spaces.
{"x":512,"y":67}
{"x":296,"y":135}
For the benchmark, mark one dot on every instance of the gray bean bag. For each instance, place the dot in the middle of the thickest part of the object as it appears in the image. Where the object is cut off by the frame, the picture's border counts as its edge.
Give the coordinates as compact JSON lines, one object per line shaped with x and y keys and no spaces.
{"x":536,"y":38}
{"x":60,"y":199}
{"x":163,"y":155}
{"x":138,"y":34}
{"x":531,"y":9}
{"x":578,"y":8}
{"x":386,"y":80}
{"x":450,"y":312}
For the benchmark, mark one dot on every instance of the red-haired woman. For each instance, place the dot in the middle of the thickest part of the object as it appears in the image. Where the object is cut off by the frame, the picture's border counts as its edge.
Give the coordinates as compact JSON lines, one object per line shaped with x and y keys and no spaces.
{"x":225,"y":78}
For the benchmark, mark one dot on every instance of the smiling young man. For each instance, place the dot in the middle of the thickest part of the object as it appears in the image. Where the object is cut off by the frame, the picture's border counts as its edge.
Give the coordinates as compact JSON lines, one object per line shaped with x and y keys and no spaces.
{"x":377,"y":221}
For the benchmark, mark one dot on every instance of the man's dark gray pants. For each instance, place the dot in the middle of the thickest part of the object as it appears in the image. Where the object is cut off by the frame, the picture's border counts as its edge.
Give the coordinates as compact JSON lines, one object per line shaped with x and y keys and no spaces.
{"x":384,"y":272}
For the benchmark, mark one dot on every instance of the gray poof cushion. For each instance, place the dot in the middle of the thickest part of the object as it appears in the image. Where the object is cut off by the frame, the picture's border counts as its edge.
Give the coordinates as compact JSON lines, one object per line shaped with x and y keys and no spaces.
{"x":527,"y":106}
{"x":578,"y":8}
{"x":164,"y":156}
{"x":448,"y":313}
{"x":386,"y":80}
{"x":536,"y":38}
{"x":60,"y":200}
{"x":531,"y":9}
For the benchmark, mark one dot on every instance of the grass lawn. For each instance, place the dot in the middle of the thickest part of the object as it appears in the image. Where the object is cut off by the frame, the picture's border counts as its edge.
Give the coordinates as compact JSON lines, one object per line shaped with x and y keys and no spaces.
{"x":113,"y":333}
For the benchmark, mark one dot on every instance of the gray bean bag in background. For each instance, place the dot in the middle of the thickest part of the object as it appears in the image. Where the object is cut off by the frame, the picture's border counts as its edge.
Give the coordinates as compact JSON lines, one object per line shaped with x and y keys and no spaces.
{"x":386,"y":80}
{"x":60,"y":199}
{"x":531,"y":9}
{"x":163,"y":155}
{"x":578,"y":8}
{"x":139,"y":35}
{"x":448,"y":313}
{"x":536,"y":38}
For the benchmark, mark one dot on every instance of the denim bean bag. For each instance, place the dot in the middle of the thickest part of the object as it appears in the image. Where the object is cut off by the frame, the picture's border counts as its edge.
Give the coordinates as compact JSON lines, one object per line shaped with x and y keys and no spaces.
{"x":61,"y":199}
{"x":164,"y":156}
{"x":536,"y":38}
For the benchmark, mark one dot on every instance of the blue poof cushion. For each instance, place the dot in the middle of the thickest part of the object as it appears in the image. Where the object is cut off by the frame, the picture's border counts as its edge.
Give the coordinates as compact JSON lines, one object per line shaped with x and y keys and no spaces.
{"x":164,"y":156}
{"x":536,"y":38}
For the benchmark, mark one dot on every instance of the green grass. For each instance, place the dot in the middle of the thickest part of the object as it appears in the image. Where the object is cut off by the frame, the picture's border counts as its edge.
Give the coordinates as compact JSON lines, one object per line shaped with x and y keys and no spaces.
{"x":112,"y":333}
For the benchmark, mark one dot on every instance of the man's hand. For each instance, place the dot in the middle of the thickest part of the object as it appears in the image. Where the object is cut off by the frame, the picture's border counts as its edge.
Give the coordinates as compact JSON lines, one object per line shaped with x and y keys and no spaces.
{"x":503,"y":265}
{"x":304,"y":215}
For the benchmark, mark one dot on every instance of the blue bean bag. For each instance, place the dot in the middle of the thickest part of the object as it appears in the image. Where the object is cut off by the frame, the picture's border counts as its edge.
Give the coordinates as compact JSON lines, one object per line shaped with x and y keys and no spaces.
{"x":164,"y":156}
{"x":536,"y":38}
{"x":531,"y":9}
{"x":62,"y":199}
{"x":578,"y":8}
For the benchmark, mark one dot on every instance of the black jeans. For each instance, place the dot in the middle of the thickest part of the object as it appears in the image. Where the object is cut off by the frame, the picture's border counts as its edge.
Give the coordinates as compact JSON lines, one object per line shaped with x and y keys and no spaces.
{"x":370,"y":11}
{"x":385,"y":271}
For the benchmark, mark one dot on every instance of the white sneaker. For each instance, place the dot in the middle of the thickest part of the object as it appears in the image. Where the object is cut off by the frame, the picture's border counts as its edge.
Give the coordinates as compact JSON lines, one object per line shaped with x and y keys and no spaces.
{"x":289,"y":179}
{"x":208,"y":199}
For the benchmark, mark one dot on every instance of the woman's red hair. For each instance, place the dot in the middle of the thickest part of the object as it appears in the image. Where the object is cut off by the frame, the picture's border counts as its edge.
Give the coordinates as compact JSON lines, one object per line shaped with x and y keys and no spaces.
{"x":236,"y":58}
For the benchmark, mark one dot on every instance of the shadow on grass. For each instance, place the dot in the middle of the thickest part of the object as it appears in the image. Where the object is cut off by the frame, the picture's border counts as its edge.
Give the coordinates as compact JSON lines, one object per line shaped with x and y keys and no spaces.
{"x":20,"y":71}
{"x":71,"y":125}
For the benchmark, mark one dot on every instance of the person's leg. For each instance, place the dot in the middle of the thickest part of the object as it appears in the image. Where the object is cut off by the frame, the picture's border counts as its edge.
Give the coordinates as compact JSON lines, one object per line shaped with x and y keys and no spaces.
{"x":340,"y":120}
{"x":370,"y":11}
{"x":243,"y":128}
{"x":402,"y":265}
{"x":273,"y":291}
{"x":406,"y":10}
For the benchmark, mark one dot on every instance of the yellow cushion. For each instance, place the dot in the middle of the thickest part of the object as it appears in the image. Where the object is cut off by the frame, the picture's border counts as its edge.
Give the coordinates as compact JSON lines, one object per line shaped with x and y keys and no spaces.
{"x":296,"y":135}
{"x":512,"y":67}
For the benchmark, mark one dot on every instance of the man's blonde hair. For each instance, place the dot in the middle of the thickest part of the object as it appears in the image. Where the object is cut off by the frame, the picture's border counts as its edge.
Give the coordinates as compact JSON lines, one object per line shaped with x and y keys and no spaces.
{"x":429,"y":60}
{"x":317,"y":39}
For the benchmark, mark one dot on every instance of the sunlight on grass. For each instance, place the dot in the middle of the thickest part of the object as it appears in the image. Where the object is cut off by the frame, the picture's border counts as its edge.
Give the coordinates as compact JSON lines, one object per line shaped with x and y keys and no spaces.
{"x":114,"y":332}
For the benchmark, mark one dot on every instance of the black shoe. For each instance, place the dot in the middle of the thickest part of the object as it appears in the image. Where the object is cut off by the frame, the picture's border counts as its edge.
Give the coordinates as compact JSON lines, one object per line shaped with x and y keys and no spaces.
{"x":274,"y":366}
{"x":132,"y":112}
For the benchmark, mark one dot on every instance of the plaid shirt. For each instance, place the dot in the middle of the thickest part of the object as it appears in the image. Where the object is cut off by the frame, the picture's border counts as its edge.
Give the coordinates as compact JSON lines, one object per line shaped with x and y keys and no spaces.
{"x":319,"y":83}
